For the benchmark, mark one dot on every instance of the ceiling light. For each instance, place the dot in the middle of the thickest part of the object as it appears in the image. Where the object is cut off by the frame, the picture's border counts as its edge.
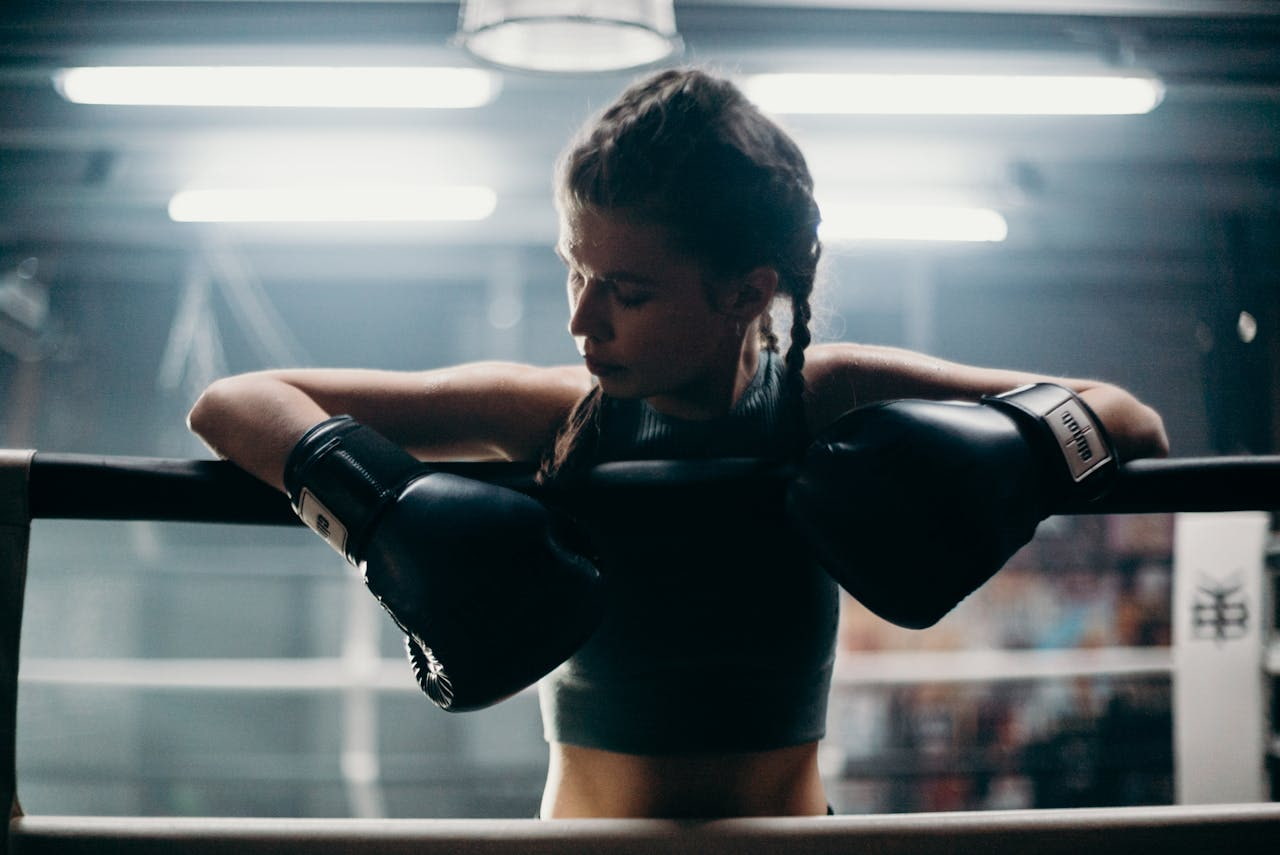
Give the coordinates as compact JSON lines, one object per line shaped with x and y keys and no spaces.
{"x":278,"y":86}
{"x":340,"y":203}
{"x":569,"y":35}
{"x":952,"y":94}
{"x":841,"y":223}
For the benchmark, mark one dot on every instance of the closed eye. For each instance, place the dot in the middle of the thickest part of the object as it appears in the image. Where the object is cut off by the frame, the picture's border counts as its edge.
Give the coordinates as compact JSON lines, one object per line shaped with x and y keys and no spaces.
{"x":630,"y":300}
{"x":624,"y":294}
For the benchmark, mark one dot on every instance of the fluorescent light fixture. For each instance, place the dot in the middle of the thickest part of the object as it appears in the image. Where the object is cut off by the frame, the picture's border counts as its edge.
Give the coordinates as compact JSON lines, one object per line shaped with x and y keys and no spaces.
{"x":954,"y":94}
{"x":333,"y":204}
{"x":843,"y":223}
{"x":278,"y":86}
{"x":569,"y":35}
{"x":254,"y":157}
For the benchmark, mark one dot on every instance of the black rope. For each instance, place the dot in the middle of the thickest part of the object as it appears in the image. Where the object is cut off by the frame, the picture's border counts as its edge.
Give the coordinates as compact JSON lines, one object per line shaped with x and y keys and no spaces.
{"x":79,"y":486}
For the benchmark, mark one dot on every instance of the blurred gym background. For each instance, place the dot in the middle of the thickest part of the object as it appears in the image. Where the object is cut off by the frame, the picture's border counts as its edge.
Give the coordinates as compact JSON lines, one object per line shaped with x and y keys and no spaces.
{"x":176,"y":669}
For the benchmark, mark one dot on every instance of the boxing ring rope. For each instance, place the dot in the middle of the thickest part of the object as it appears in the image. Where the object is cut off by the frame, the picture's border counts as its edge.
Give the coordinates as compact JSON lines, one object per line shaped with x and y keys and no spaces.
{"x":79,"y":486}
{"x":64,"y":486}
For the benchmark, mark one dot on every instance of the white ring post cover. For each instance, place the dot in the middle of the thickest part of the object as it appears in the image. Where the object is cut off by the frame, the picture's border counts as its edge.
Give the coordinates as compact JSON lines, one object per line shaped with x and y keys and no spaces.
{"x":1219,"y":621}
{"x":15,"y":527}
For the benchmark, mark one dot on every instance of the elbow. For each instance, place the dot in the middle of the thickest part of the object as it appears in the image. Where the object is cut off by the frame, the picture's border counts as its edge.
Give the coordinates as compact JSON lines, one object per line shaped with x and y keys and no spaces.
{"x":1143,"y":431}
{"x":199,"y":416}
{"x":1157,"y":440}
{"x":212,"y":412}
{"x":1138,"y":429}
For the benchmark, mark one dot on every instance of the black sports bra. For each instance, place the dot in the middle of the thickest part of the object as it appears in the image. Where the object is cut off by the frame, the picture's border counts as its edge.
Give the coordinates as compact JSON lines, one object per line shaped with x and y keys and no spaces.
{"x":719,"y":633}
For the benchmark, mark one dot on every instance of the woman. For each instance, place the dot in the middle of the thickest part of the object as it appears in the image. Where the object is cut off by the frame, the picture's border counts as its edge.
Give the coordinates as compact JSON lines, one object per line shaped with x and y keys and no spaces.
{"x":684,"y":215}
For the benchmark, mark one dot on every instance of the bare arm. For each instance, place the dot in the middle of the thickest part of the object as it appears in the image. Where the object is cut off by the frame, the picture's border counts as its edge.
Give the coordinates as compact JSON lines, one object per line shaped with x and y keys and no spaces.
{"x":843,"y":376}
{"x":479,"y":411}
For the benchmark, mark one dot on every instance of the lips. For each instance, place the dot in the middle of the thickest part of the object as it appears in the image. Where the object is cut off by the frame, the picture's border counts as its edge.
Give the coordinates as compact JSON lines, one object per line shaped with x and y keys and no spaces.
{"x":599,"y":368}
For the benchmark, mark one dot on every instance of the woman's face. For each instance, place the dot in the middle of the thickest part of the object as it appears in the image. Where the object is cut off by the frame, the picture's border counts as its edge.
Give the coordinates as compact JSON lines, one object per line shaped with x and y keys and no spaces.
{"x":641,"y":314}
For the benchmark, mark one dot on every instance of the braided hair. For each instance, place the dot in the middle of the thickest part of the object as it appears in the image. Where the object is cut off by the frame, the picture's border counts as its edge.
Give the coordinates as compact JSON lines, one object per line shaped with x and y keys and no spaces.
{"x":686,"y":149}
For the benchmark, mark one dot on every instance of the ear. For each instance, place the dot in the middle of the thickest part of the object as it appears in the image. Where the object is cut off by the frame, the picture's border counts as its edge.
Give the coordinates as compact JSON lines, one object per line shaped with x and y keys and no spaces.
{"x":751,"y":294}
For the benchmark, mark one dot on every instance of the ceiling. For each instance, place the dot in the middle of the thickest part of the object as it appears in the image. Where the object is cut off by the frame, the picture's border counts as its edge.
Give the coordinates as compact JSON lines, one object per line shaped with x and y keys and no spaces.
{"x":93,"y":181}
{"x":1135,"y":242}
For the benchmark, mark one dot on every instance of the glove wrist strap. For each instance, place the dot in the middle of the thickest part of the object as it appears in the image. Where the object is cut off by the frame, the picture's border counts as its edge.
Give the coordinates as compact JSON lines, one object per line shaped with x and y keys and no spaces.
{"x":1082,"y":458}
{"x":338,"y":478}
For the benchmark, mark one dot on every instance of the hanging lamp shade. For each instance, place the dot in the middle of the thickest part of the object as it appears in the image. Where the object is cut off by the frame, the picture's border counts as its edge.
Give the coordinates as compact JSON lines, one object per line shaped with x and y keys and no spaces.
{"x":569,"y":35}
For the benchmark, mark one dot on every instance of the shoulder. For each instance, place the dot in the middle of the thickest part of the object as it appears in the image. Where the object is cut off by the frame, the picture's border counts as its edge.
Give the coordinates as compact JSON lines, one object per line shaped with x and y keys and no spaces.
{"x":841,"y":375}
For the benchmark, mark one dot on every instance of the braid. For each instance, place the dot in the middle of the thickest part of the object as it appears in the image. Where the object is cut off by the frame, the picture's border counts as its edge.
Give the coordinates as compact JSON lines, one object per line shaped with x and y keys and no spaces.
{"x":573,"y":448}
{"x":798,"y":279}
{"x":800,"y":338}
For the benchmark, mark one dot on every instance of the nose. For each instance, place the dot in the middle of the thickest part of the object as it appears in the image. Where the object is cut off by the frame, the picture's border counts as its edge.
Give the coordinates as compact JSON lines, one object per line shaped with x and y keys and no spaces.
{"x":589,"y":314}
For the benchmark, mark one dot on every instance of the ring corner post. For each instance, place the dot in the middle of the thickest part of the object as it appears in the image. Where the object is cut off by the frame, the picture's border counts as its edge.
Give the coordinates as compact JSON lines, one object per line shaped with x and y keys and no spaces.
{"x":15,"y":527}
{"x":1219,"y":629}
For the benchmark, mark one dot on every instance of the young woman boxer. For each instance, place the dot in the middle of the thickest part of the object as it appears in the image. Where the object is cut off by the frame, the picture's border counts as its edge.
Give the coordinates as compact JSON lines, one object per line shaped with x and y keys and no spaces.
{"x":684,"y":215}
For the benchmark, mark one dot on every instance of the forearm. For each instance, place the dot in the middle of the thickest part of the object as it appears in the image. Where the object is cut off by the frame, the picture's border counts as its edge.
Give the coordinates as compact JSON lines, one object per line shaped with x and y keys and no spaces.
{"x":479,"y":411}
{"x":843,"y":376}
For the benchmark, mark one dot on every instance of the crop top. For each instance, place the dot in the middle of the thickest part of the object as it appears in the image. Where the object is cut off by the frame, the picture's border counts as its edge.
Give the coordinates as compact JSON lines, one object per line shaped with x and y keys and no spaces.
{"x":719,"y":632}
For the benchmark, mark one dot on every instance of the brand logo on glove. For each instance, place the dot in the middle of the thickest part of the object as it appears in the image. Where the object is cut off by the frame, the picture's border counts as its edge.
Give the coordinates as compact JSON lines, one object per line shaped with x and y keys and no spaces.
{"x":322,"y":521}
{"x":1076,"y":433}
{"x":1081,"y":441}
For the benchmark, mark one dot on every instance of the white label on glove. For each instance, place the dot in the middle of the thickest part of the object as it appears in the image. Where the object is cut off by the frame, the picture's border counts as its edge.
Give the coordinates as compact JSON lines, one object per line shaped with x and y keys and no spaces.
{"x":320,"y":520}
{"x":1078,"y":438}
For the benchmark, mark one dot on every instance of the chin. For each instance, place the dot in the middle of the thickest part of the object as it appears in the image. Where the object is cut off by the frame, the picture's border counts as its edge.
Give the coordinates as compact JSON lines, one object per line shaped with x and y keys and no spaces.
{"x":615,"y":388}
{"x":621,"y":386}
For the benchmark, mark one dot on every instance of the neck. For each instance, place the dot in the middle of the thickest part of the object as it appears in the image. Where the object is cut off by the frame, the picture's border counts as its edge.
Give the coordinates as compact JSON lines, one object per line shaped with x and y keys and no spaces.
{"x":716,"y":393}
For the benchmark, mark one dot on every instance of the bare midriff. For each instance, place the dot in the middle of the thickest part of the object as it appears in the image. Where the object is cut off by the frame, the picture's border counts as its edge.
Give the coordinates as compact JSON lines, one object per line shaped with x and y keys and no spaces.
{"x":589,"y":782}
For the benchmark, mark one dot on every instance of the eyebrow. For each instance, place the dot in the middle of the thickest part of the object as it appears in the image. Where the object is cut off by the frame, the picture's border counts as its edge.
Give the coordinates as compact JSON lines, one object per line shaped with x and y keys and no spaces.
{"x":624,"y":276}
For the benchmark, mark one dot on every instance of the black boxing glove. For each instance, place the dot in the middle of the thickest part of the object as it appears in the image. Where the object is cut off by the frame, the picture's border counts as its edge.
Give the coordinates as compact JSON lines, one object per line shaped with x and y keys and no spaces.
{"x":473,"y":573}
{"x":912,"y":505}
